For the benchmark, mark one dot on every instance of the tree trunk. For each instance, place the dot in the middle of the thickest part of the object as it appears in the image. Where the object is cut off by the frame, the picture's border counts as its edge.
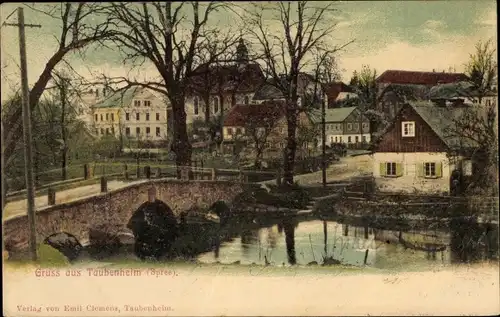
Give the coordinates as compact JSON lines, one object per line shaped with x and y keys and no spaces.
{"x":64,"y":151}
{"x":181,"y":146}
{"x":291,"y":145}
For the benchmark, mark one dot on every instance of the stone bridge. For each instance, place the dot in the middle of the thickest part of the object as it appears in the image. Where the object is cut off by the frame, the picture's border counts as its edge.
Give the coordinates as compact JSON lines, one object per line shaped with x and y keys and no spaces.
{"x":117,"y":207}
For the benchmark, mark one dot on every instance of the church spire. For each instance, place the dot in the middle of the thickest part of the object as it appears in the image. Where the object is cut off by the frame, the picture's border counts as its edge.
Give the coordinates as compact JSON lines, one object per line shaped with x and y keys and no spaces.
{"x":241,"y":52}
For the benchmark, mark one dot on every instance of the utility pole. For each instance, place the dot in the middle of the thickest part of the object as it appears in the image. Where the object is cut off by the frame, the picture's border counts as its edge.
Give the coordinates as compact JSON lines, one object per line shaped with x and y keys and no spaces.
{"x":323,"y":139}
{"x":28,"y":154}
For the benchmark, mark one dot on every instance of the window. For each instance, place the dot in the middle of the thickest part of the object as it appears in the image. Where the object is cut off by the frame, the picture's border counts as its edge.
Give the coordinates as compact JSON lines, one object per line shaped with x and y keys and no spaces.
{"x":147,"y":116}
{"x":215,"y":102}
{"x":137,"y":116}
{"x":157,"y":116}
{"x":137,"y":131}
{"x":238,"y":131}
{"x":408,"y":128}
{"x":113,"y":130}
{"x":430,"y":169}
{"x":247,"y":100}
{"x":364,"y":138}
{"x":107,"y":116}
{"x":148,"y":131}
{"x":137,"y":103}
{"x":107,"y":131}
{"x":390,"y":169}
{"x":365,"y":126}
{"x":127,"y":131}
{"x":158,"y":131}
{"x":96,"y":118}
{"x":229,"y":131}
{"x":127,"y":116}
{"x":102,"y":117}
{"x":331,"y":139}
{"x":112,"y":117}
{"x":349,"y":126}
{"x":349,"y":139}
{"x":356,"y":139}
{"x":196,"y":105}
{"x":327,"y":127}
{"x":488,"y":102}
{"x":356,"y":126}
{"x":147,"y":103}
{"x":102,"y":131}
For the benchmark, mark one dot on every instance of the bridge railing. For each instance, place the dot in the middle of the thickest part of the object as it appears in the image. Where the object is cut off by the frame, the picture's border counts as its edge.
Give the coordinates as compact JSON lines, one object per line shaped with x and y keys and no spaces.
{"x":103,"y":172}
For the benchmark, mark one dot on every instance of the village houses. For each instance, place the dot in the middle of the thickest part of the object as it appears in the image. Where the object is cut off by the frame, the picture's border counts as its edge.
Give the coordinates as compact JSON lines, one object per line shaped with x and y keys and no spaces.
{"x":396,"y":87}
{"x":418,"y":153}
{"x":264,"y":123}
{"x":344,"y":125}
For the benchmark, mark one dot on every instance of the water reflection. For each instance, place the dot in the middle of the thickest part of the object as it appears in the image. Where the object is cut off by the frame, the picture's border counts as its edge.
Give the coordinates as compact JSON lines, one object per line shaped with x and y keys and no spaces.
{"x":315,"y":241}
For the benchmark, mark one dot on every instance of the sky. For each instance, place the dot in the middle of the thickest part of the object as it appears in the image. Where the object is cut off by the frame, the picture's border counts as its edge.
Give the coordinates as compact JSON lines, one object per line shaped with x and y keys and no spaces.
{"x":409,"y":35}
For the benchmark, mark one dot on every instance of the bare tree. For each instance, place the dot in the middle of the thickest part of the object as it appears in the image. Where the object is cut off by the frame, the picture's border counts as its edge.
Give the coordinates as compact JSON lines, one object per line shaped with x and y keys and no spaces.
{"x":78,"y":30}
{"x":304,"y":27}
{"x":482,"y":68}
{"x":162,"y":34}
{"x":258,"y":129}
{"x":208,"y":77}
{"x":476,"y":129}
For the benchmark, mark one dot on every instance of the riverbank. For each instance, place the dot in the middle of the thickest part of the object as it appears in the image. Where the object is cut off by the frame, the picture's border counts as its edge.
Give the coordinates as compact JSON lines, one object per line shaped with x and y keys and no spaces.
{"x":231,"y":290}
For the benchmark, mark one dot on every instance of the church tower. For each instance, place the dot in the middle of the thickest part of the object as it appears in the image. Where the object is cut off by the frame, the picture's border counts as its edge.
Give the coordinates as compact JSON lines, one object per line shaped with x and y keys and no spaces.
{"x":241,"y":52}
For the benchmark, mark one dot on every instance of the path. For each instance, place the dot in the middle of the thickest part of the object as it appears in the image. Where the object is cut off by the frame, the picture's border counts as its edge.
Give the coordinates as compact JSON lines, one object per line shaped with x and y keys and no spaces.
{"x":347,"y":168}
{"x":19,"y":207}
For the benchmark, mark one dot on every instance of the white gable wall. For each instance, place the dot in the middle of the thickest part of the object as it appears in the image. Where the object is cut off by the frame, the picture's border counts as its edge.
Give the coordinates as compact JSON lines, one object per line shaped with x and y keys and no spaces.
{"x":410,"y":181}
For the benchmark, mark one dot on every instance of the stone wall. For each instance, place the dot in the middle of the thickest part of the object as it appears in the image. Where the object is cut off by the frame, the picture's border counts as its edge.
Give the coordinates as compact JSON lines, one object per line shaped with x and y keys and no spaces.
{"x":116,"y":207}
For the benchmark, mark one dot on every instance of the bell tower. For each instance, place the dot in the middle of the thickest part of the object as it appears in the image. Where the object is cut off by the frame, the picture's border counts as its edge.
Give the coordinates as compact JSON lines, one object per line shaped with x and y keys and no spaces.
{"x":241,"y":52}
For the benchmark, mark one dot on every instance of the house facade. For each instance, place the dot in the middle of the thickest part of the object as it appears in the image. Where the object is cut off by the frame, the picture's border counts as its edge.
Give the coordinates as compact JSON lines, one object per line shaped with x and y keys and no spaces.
{"x":244,"y":123}
{"x":136,"y":113}
{"x":413,"y":155}
{"x":222,"y":85}
{"x":344,"y":125}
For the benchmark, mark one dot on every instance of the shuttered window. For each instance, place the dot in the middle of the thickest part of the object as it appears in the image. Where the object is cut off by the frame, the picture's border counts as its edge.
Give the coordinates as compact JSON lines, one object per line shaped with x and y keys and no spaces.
{"x":391,"y":169}
{"x":430,"y":170}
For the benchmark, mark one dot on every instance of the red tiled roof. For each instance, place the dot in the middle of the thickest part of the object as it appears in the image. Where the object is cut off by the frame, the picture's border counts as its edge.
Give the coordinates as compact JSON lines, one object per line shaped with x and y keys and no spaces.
{"x":419,"y":78}
{"x":241,"y":115}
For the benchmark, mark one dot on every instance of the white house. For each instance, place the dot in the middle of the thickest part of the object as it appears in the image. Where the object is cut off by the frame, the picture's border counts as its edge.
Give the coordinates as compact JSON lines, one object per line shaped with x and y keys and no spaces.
{"x":136,"y":113}
{"x":344,"y":125}
{"x":414,"y":153}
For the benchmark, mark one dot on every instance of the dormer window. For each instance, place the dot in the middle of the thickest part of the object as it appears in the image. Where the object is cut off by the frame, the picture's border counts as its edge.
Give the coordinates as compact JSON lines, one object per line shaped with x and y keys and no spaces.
{"x":408,"y":128}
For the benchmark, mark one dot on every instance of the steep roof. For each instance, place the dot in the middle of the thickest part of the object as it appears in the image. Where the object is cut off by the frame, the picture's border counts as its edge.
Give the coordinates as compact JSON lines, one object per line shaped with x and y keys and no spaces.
{"x":441,"y":120}
{"x":406,"y":91}
{"x":118,"y":99}
{"x":241,"y":115}
{"x":229,"y":77}
{"x":331,"y":115}
{"x":268,"y":91}
{"x":419,"y":78}
{"x":452,"y":90}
